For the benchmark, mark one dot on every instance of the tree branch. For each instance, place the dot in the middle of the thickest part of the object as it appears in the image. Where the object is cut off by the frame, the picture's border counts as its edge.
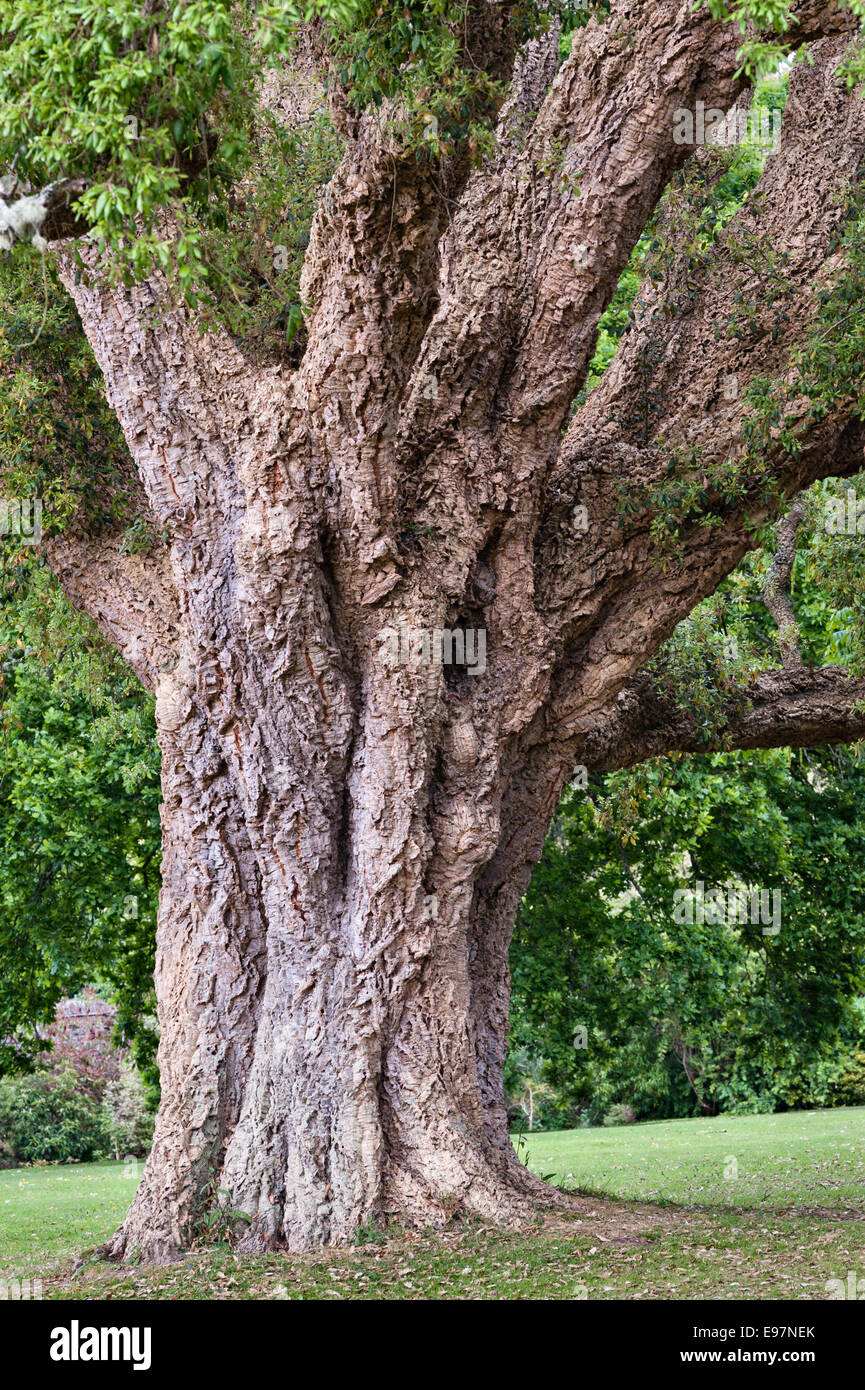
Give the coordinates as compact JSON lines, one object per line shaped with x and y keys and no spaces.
{"x":796,"y":707}
{"x":545,"y":227}
{"x":775,"y":595}
{"x":130,"y":597}
{"x":169,"y":385}
{"x":609,"y":589}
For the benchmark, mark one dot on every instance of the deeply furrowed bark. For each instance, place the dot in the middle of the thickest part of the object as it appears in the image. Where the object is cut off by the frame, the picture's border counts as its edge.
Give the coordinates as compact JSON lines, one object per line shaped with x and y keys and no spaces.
{"x":347,"y":836}
{"x":209,"y":982}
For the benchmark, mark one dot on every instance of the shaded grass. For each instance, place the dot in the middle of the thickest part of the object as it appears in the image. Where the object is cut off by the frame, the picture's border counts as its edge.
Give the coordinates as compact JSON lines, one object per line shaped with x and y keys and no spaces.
{"x":686,"y":1256}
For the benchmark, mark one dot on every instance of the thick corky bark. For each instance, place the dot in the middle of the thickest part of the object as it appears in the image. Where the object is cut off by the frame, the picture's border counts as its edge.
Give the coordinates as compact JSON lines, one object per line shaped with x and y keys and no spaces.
{"x":347,"y":837}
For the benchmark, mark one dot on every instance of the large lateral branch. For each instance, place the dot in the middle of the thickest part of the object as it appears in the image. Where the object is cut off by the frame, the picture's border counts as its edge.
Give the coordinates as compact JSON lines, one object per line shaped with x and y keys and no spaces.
{"x":173,"y":389}
{"x":603,"y":585}
{"x":131,"y":598}
{"x":795,"y":707}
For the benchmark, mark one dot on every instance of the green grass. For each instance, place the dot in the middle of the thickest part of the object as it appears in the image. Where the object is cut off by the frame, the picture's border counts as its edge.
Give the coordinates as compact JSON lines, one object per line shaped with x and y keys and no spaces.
{"x":803,"y":1158}
{"x":664,"y":1223}
{"x":45,"y":1213}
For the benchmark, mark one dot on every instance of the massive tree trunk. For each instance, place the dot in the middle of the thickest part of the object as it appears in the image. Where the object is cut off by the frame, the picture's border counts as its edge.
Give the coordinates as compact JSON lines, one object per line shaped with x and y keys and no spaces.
{"x":349,"y":820}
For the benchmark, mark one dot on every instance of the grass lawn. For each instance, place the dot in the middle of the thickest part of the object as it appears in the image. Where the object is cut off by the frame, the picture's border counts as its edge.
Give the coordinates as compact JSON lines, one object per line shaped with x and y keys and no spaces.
{"x":804,"y":1158}
{"x":737,"y":1207}
{"x":46,"y":1213}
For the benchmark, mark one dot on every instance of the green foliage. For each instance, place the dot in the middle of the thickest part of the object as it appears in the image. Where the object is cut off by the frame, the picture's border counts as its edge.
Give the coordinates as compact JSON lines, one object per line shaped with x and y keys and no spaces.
{"x":848,"y":1086}
{"x":415,"y":54}
{"x":213,"y":1217}
{"x":255,"y":247}
{"x":127,"y":1115}
{"x":756,"y":20}
{"x":151,"y":102}
{"x":156,"y":105}
{"x":574,"y":16}
{"x":619,"y":1115}
{"x":730,"y":636}
{"x":703,"y":670}
{"x":836,"y":564}
{"x":368,"y":1234}
{"x":79,"y":821}
{"x":532,"y":1098}
{"x":59,"y":439}
{"x":222,"y":1222}
{"x":683,"y":1018}
{"x":46,"y":1118}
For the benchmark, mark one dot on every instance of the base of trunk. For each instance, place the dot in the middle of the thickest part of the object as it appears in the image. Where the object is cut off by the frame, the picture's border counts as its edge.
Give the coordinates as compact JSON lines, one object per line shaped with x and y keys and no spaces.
{"x":161,"y":1223}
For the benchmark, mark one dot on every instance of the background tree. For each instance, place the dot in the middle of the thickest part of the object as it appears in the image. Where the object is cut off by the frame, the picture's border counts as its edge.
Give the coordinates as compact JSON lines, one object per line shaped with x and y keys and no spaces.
{"x":346,"y":838}
{"x":629,"y":1006}
{"x":79,"y":823}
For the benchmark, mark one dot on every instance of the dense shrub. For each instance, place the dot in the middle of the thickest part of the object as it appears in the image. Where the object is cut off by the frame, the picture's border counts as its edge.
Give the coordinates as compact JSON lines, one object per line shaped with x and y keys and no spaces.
{"x":125,"y":1114}
{"x":620,"y":1115}
{"x":633,"y":998}
{"x":46,"y":1117}
{"x":849,"y":1089}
